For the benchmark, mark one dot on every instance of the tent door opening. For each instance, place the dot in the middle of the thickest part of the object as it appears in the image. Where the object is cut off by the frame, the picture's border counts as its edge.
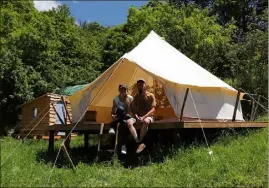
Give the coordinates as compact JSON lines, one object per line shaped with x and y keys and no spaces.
{"x":62,"y":113}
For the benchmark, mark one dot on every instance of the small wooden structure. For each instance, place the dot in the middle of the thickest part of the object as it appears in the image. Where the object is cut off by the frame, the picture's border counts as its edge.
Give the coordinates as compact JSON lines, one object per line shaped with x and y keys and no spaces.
{"x":40,"y":113}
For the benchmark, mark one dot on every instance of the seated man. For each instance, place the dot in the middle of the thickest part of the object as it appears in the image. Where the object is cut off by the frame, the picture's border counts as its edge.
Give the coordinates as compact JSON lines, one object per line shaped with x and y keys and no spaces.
{"x":142,"y":107}
{"x":120,"y":114}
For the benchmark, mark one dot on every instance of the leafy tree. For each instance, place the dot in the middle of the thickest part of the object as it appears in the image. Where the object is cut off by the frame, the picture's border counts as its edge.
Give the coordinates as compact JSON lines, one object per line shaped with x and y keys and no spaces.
{"x":41,"y":51}
{"x":243,"y":11}
{"x":188,"y":29}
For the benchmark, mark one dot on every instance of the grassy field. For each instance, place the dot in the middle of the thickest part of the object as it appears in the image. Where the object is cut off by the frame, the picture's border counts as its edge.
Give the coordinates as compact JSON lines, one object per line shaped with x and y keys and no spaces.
{"x":240,"y":159}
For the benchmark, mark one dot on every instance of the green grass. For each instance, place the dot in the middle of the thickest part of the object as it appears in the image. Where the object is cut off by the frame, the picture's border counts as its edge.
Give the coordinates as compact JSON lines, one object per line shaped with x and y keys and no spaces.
{"x":239,"y":160}
{"x":262,"y":117}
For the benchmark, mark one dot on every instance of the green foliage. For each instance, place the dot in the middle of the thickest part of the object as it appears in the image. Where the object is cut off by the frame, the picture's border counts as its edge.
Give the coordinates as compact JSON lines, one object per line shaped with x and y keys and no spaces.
{"x":262,"y":118}
{"x":43,"y":51}
{"x":239,"y":161}
{"x":188,"y":29}
{"x":244,"y":12}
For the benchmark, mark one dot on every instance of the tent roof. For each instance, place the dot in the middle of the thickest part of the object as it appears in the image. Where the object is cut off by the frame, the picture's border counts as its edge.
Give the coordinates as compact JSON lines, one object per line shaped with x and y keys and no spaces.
{"x":154,"y":59}
{"x":158,"y":57}
{"x":70,"y":90}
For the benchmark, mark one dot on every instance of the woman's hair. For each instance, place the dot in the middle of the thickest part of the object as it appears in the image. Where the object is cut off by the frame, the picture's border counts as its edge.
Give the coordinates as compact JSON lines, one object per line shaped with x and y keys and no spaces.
{"x":126,"y":96}
{"x":123,"y":86}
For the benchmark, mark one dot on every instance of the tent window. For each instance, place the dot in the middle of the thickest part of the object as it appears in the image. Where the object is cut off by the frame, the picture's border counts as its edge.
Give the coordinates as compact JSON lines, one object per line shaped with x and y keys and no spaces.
{"x":61,"y":111}
{"x":34,"y":112}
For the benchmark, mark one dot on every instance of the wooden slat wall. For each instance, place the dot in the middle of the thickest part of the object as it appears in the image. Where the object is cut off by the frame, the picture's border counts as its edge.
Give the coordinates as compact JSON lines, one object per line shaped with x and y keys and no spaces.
{"x":48,"y":120}
{"x":27,"y":114}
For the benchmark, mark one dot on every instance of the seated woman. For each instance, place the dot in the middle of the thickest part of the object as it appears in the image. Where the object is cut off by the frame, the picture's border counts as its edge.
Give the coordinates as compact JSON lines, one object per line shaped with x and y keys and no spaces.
{"x":120,"y":114}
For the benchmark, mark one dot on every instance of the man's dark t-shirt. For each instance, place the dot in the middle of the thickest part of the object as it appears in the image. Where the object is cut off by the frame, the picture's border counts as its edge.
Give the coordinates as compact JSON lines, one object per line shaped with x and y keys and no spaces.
{"x":142,"y":104}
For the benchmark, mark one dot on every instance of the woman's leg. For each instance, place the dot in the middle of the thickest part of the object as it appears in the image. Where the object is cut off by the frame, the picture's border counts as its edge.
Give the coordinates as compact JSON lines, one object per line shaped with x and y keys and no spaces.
{"x":114,"y":124}
{"x":123,"y":133}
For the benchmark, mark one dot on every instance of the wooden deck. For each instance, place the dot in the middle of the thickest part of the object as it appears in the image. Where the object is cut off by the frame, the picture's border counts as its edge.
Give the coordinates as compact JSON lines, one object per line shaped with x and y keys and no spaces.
{"x":95,"y":127}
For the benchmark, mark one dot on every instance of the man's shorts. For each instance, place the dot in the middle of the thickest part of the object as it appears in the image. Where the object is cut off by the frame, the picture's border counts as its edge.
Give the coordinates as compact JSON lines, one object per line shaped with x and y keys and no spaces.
{"x":149,"y":118}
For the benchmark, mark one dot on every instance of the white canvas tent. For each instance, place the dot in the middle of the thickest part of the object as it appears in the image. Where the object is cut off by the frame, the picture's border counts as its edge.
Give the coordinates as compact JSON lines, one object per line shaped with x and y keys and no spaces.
{"x":156,"y":60}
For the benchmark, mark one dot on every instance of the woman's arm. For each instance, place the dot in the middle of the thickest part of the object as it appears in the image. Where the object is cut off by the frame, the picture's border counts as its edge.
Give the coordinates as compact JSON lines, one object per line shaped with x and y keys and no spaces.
{"x":133,"y":106}
{"x":114,"y":108}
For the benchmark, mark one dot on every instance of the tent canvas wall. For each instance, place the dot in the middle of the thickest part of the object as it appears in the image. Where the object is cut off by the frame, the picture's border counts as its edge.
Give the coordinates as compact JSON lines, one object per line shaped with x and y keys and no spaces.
{"x":160,"y":64}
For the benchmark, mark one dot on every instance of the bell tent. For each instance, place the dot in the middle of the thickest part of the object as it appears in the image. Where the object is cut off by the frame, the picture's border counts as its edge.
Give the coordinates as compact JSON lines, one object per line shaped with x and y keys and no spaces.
{"x":168,"y":73}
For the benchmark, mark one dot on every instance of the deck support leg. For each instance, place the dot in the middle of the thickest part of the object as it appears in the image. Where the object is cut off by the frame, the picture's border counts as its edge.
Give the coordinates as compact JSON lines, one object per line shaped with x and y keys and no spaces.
{"x":99,"y":141}
{"x":86,"y":139}
{"x":236,"y":105}
{"x":117,"y":139}
{"x":51,"y":141}
{"x":38,"y":137}
{"x":176,"y":138}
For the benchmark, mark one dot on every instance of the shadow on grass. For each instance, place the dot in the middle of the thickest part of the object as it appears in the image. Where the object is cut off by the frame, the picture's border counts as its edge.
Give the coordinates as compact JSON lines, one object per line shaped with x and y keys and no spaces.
{"x":160,"y":145}
{"x":77,"y":154}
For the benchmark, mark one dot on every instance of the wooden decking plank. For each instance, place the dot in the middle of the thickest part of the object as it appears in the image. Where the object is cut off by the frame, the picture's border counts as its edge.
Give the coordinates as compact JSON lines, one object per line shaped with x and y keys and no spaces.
{"x":165,"y":125}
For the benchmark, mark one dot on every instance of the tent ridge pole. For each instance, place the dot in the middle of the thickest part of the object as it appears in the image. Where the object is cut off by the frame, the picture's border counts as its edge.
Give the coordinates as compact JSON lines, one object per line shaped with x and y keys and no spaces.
{"x":183,"y":104}
{"x":236,"y":105}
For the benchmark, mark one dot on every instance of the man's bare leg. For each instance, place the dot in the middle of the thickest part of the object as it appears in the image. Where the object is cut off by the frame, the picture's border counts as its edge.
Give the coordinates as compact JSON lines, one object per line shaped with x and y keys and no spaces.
{"x":132,"y":130}
{"x":144,"y":128}
{"x":143,"y":133}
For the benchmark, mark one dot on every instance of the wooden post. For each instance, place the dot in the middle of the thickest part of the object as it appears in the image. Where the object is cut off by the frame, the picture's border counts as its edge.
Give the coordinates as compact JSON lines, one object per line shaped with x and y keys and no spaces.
{"x":252,"y":110}
{"x":62,"y":122}
{"x":99,"y":139}
{"x":67,"y":142}
{"x":68,"y":115}
{"x":65,"y":119}
{"x":86,"y":139}
{"x":51,"y":141}
{"x":236,"y":105}
{"x":183,"y":104}
{"x":154,"y":88}
{"x":117,"y":137}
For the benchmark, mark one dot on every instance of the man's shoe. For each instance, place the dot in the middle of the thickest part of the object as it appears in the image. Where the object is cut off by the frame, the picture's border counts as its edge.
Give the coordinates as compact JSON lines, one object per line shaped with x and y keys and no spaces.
{"x":123,"y":150}
{"x":111,"y":131}
{"x":140,"y":148}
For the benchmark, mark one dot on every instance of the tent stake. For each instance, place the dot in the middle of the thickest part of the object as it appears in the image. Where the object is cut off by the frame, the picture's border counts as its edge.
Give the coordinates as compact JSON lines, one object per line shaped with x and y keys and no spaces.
{"x":236,"y":105}
{"x":69,"y":158}
{"x":183,"y":104}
